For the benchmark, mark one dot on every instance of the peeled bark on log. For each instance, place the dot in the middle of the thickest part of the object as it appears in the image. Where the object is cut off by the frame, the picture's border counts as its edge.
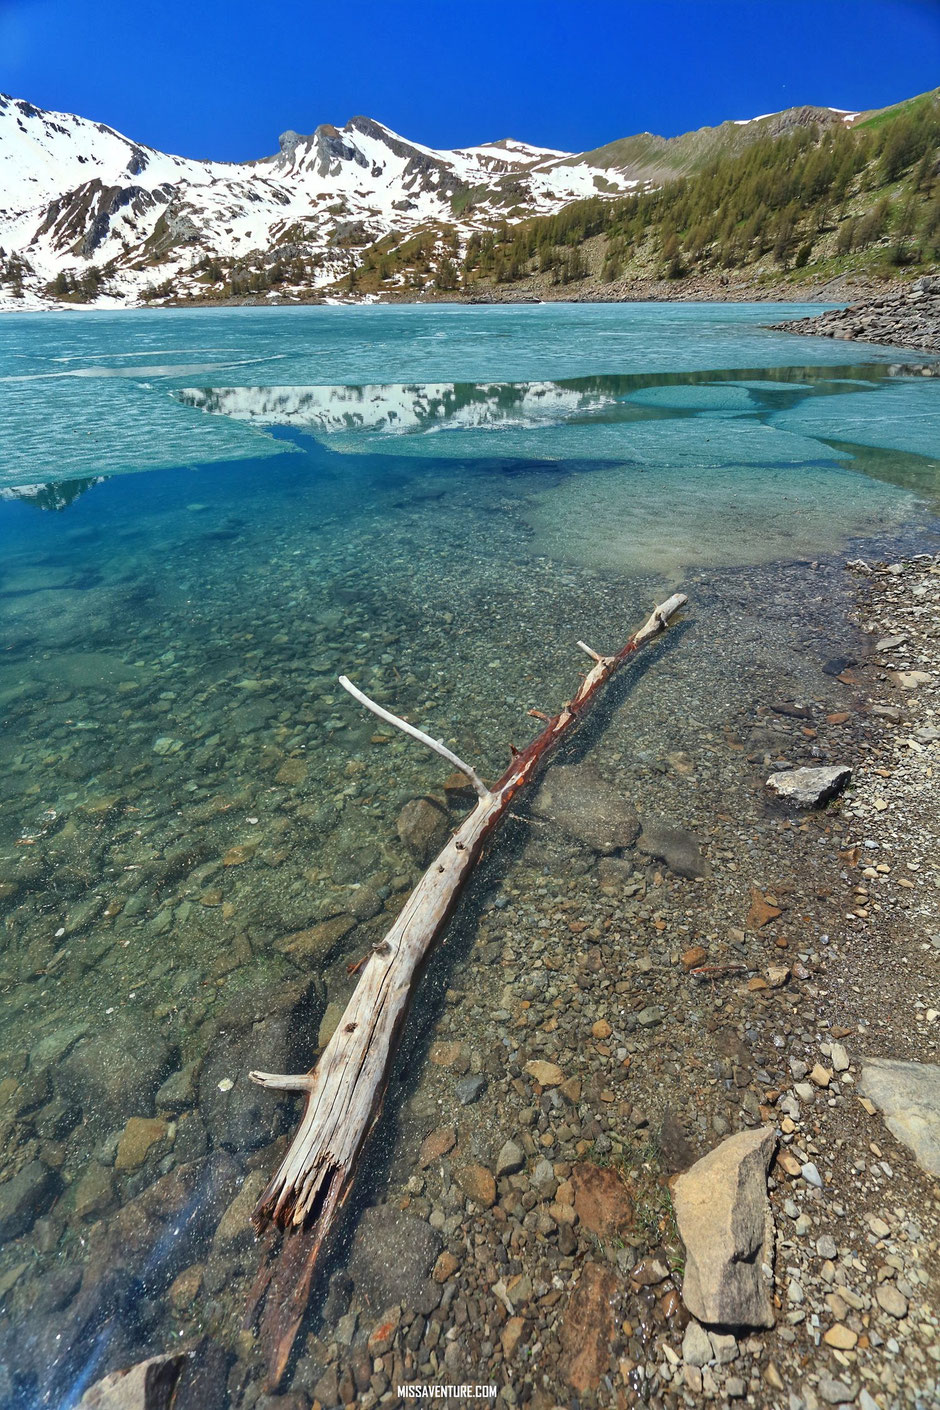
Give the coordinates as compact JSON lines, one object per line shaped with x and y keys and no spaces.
{"x":344,"y":1091}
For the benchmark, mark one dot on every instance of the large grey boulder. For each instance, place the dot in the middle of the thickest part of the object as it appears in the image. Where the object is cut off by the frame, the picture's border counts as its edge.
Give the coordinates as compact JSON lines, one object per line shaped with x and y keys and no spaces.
{"x":587,"y":807}
{"x":809,"y":787}
{"x":724,"y":1221}
{"x":908,"y":1095}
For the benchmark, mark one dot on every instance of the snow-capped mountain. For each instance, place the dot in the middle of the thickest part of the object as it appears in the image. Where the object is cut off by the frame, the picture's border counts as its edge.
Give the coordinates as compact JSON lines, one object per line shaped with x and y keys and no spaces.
{"x":87,"y":215}
{"x":85,"y":210}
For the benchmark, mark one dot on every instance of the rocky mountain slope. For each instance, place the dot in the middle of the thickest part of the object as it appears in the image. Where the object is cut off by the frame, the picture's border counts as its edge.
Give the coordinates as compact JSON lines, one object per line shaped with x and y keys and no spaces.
{"x":88,"y":215}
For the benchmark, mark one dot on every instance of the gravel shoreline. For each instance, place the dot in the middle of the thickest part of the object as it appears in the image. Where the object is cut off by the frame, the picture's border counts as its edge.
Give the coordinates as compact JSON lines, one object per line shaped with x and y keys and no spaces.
{"x":537,"y":1191}
{"x":905,"y":319}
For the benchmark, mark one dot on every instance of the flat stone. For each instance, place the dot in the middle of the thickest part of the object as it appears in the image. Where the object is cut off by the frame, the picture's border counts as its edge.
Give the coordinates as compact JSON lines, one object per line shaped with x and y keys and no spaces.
{"x":588,"y":1328}
{"x":696,"y":1347}
{"x":723,"y":1217}
{"x":382,"y":1334}
{"x":841,"y":1337}
{"x":147,"y":1386}
{"x":546,"y":1074}
{"x":423,"y":826}
{"x":761,"y":911}
{"x":140,"y":1133}
{"x":835,"y":1392}
{"x":329,"y":1022}
{"x":908,"y":1095}
{"x":477,"y":1184}
{"x":511,"y":1335}
{"x":511,"y":1158}
{"x":650,"y":1016}
{"x":587,"y":807}
{"x":602,"y":1201}
{"x":470,"y":1089}
{"x":22,"y":1199}
{"x":318,"y":942}
{"x":94,"y":1192}
{"x":912,"y":680}
{"x":178,"y":1092}
{"x":292,"y":773}
{"x":436,"y":1145}
{"x":55,"y":1045}
{"x":234,"y":1228}
{"x":674,"y":846}
{"x":809,"y":787}
{"x":392,"y":1255}
{"x":891,"y":1300}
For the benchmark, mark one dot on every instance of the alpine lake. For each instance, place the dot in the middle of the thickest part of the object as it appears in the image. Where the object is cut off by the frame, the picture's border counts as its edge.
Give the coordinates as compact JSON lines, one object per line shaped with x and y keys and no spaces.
{"x":205,"y":518}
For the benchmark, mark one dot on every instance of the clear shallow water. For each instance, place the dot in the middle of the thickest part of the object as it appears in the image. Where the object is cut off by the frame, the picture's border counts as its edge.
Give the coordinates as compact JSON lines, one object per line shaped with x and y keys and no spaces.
{"x":439,"y":501}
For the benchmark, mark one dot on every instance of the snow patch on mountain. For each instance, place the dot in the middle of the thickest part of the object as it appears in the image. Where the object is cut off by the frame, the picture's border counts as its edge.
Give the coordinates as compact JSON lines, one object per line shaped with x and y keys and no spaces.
{"x":79,"y":200}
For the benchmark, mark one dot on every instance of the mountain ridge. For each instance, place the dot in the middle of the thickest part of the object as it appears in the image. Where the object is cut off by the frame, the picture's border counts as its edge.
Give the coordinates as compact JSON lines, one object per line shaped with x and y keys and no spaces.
{"x":88,"y":215}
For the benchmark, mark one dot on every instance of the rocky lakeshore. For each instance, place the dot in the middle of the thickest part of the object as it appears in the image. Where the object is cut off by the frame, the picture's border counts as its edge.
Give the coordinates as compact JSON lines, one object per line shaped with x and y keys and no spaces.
{"x":537,"y":1227}
{"x":644,"y":1154}
{"x":904,"y":318}
{"x":664,"y":962}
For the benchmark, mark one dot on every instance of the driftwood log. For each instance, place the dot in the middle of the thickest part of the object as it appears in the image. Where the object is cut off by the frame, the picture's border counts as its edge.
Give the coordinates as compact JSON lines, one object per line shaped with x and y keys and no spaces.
{"x":344,"y":1091}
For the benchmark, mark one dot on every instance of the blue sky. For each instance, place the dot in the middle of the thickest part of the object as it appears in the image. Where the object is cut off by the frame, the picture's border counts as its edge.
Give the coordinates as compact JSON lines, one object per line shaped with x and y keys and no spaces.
{"x":222,"y":78}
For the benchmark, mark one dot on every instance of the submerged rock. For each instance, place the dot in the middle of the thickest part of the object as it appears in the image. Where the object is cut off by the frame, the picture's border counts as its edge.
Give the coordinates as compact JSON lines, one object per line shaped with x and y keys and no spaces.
{"x":908,"y":1095}
{"x":724,"y":1221}
{"x":809,"y":787}
{"x":271,"y":1034}
{"x":423,"y":826}
{"x":115,"y":1074}
{"x":25,"y":1197}
{"x":587,"y":807}
{"x":674,"y":846}
{"x":392,"y":1257}
{"x":147,"y":1386}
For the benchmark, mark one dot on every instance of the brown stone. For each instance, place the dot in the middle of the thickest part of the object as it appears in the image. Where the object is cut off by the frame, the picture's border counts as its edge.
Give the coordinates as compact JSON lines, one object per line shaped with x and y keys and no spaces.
{"x":601,"y":1029}
{"x":601,"y":1200}
{"x":383,"y":1333}
{"x":841,"y":1337}
{"x":292,"y":772}
{"x":445,"y":1266}
{"x":235,"y":856}
{"x":436,"y":1144}
{"x":691,"y":959}
{"x":318,"y":942}
{"x":546,"y":1074}
{"x":761,"y":911}
{"x":588,"y":1328}
{"x":511,"y":1334}
{"x":477,"y":1184}
{"x":184,"y":1288}
{"x":140,"y":1133}
{"x":444,"y":1054}
{"x":423,"y":827}
{"x":94,"y":1191}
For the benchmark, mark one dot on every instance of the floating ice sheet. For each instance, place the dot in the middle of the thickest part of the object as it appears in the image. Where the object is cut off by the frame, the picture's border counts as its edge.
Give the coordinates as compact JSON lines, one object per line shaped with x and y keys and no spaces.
{"x":902,"y":415}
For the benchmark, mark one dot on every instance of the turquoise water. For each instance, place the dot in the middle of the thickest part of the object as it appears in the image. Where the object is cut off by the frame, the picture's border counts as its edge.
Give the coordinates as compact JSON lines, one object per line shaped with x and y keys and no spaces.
{"x":438,"y":501}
